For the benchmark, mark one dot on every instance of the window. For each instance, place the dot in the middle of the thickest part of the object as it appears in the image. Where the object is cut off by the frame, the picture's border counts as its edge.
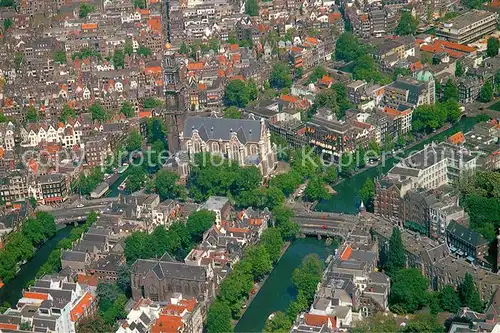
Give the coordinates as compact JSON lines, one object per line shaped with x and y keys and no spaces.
{"x":215,"y":147}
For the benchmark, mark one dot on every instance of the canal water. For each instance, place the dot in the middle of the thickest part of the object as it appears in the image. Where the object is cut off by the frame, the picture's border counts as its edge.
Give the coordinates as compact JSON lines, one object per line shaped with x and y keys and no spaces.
{"x":12,"y":290}
{"x":278,"y":290}
{"x":347,"y":200}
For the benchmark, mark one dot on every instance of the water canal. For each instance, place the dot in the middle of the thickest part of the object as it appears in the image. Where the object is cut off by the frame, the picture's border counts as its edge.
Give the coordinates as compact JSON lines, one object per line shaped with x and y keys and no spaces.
{"x":278,"y":291}
{"x":12,"y":290}
{"x":347,"y":200}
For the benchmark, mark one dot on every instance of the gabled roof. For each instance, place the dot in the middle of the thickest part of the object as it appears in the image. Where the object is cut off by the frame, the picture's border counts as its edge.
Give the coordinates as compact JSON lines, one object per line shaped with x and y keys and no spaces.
{"x":247,"y":130}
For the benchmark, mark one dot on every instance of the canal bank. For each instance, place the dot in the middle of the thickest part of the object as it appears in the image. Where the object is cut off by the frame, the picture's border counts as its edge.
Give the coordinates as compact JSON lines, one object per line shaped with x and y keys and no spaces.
{"x":12,"y":290}
{"x":278,"y":290}
{"x":347,"y":200}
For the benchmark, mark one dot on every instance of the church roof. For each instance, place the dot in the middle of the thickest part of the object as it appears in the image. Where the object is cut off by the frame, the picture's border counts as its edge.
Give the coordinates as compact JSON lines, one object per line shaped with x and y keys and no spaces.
{"x":247,"y":130}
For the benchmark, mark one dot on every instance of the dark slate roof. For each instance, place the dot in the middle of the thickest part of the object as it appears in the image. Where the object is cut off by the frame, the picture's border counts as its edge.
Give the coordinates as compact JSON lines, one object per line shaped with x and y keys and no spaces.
{"x":175,"y":270}
{"x":6,"y":319}
{"x":45,"y":322}
{"x":73,"y":256}
{"x":466,"y":234}
{"x":247,"y":130}
{"x":55,"y":293}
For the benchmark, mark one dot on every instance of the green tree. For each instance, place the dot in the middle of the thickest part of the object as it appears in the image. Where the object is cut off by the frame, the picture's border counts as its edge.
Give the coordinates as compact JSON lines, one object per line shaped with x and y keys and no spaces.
{"x":219,"y":318}
{"x":92,"y":324}
{"x":469,"y":295}
{"x":326,"y":98}
{"x":492,"y":47}
{"x":140,"y":4}
{"x":316,"y":190}
{"x":67,"y":113}
{"x":280,"y":76}
{"x":317,"y":73}
{"x":347,"y":164}
{"x":452,"y":109}
{"x":308,"y":275}
{"x":123,"y":281}
{"x":136,"y":179}
{"x":378,"y":323}
{"x":299,"y":72}
{"x":407,"y":24}
{"x":127,"y":110}
{"x":151,"y":102}
{"x":199,"y":222}
{"x":408,"y":291}
{"x":32,"y":114}
{"x":273,"y":243}
{"x":259,"y":260}
{"x":232,"y":112}
{"x":236,"y":93}
{"x":85,"y":10}
{"x":128,"y":48}
{"x":18,"y":60}
{"x":166,"y":185}
{"x":448,"y":299}
{"x":157,"y":130}
{"x":252,"y":8}
{"x":367,"y":192}
{"x":459,"y":68}
{"x":400,"y":71}
{"x":486,"y":93}
{"x":184,"y":49}
{"x":119,"y":58}
{"x":330,"y":175}
{"x":396,"y":257}
{"x":278,"y":324}
{"x":373,"y":148}
{"x":144,"y":51}
{"x":7,"y":3}
{"x":422,"y":323}
{"x":451,"y":91}
{"x":348,"y":47}
{"x":134,"y":140}
{"x":482,"y":118}
{"x":60,"y":57}
{"x":98,"y":112}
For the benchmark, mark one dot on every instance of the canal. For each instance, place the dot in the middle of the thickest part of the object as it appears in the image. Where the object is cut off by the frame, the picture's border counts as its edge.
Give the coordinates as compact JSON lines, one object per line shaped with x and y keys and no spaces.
{"x":12,"y":290}
{"x":278,"y":290}
{"x":347,"y":200}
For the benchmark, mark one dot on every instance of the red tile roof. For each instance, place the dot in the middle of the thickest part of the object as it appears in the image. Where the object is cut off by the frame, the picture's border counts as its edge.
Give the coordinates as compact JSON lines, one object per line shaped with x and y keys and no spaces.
{"x":89,"y":280}
{"x":457,"y":138}
{"x":154,"y":24}
{"x":289,"y":98}
{"x":167,"y":324}
{"x":79,"y":310}
{"x":34,"y":295}
{"x":346,"y":254}
{"x":319,"y":320}
{"x":193,"y":66}
{"x":89,"y":26}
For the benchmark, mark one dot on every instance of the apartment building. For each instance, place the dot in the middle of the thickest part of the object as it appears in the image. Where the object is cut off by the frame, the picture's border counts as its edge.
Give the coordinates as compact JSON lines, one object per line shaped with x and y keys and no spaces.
{"x":411,"y":92}
{"x":433,"y":166}
{"x":469,"y":27}
{"x":54,"y":188}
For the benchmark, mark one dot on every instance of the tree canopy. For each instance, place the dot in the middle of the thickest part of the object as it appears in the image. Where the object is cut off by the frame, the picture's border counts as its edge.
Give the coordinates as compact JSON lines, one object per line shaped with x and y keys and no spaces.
{"x":280,"y":76}
{"x":396,"y":256}
{"x":408,"y":291}
{"x":349,"y":48}
{"x":407,"y":24}
{"x":252,"y":8}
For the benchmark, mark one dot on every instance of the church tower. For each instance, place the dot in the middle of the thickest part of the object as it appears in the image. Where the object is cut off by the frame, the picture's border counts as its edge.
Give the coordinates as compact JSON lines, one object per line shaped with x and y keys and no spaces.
{"x":175,"y":104}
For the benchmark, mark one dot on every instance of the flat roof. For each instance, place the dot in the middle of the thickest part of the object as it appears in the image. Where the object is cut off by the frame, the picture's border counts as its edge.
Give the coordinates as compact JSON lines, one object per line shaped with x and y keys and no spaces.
{"x":468,"y":18}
